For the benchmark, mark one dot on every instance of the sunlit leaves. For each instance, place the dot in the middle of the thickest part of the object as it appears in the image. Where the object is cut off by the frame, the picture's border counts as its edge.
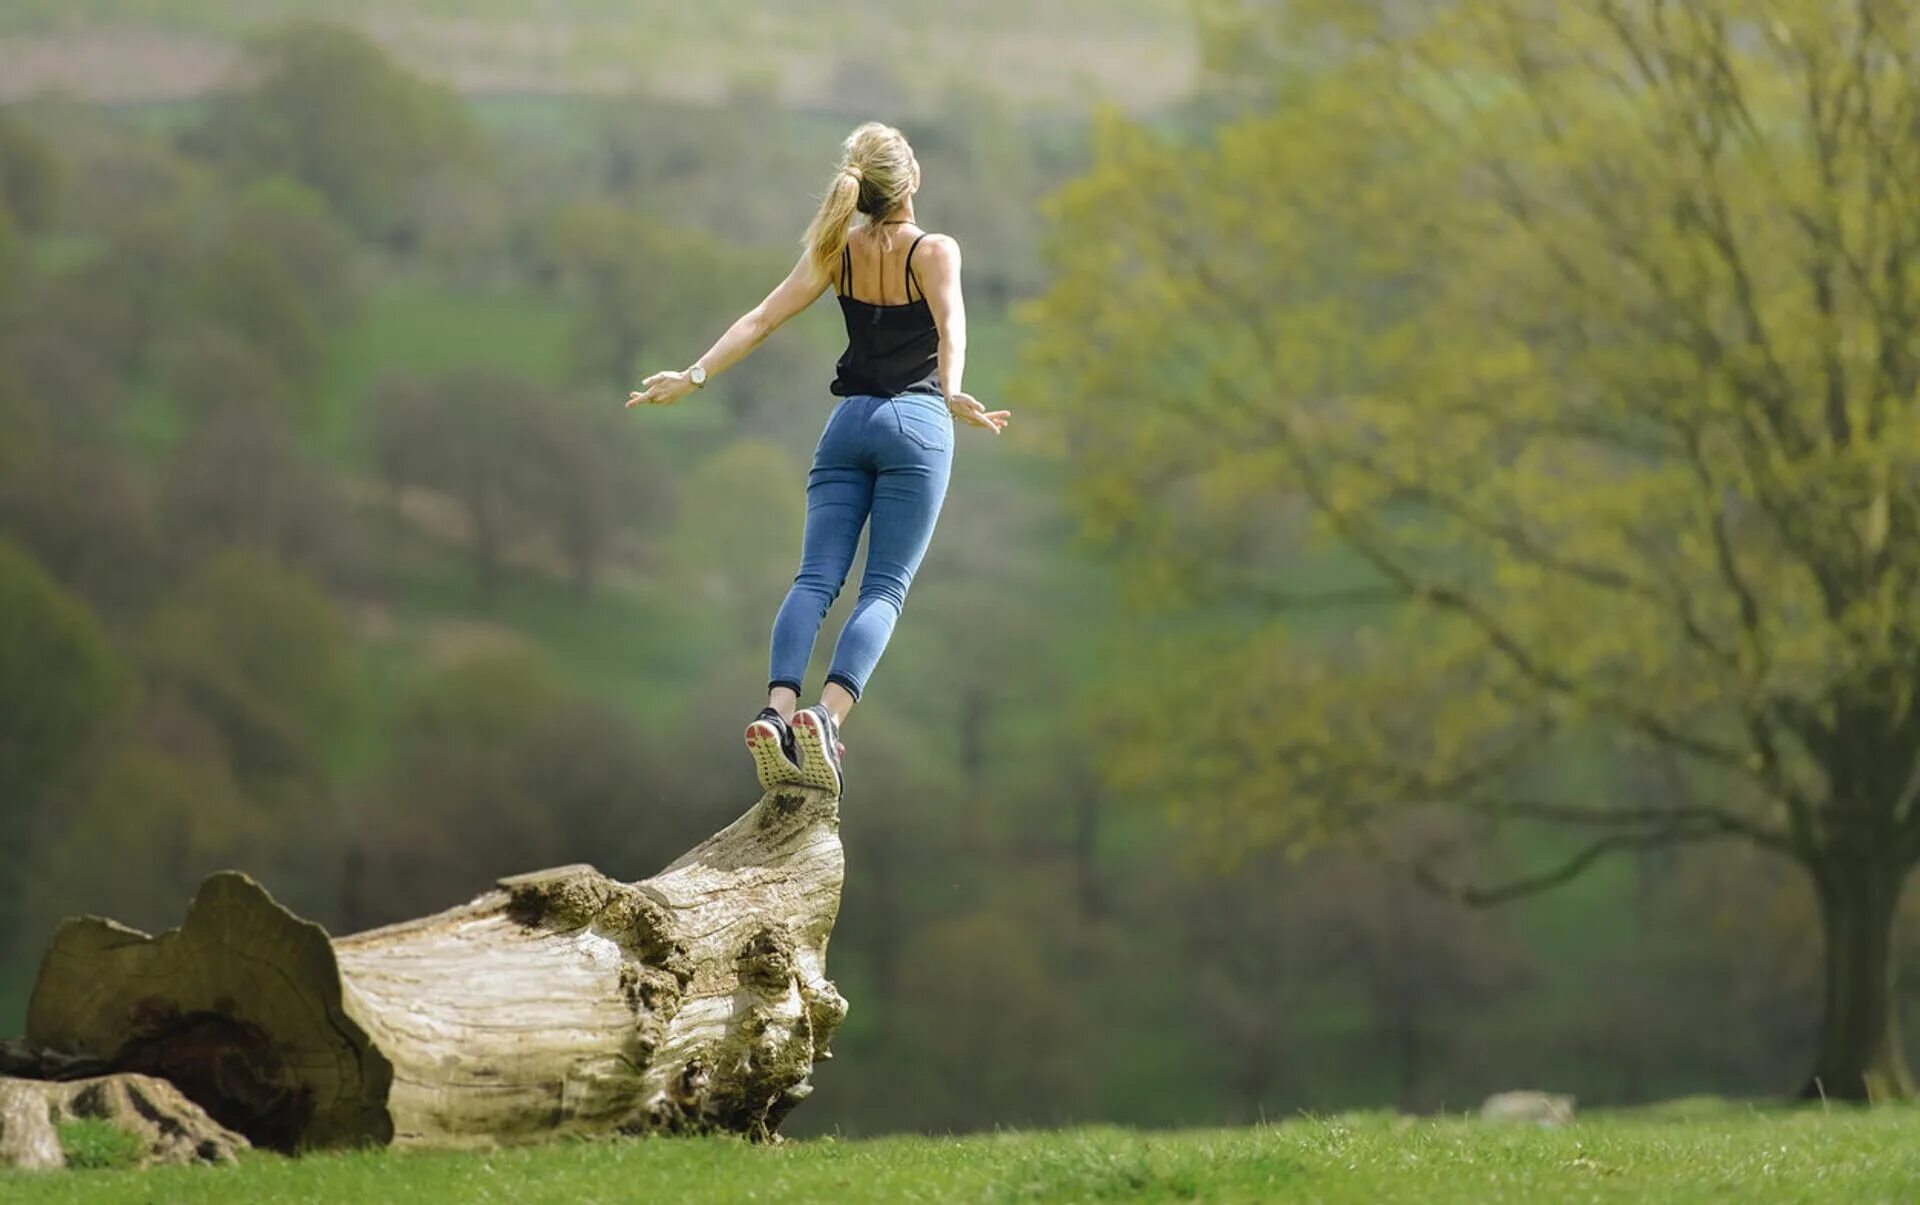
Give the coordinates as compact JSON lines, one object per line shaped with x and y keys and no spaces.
{"x":1586,"y":329}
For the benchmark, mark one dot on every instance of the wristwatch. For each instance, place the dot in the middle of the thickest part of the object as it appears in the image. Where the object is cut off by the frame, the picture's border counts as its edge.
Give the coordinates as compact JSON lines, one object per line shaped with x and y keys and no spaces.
{"x":698,"y":375}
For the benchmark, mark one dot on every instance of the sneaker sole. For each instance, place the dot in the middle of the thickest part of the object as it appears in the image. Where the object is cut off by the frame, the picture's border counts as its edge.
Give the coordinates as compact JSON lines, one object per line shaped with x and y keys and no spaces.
{"x":816,"y":770}
{"x":769,"y":760}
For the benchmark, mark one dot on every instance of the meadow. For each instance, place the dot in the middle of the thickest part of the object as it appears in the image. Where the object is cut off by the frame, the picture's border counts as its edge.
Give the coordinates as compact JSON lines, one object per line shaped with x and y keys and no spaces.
{"x":1702,"y":1151}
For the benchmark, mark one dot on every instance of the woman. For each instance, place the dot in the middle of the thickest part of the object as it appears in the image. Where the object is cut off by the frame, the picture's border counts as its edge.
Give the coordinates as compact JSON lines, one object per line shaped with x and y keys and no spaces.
{"x":887,"y":449}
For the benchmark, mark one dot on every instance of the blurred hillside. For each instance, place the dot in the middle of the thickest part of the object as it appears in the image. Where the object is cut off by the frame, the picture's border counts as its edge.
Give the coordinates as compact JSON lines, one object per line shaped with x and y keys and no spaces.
{"x":1064,"y":54}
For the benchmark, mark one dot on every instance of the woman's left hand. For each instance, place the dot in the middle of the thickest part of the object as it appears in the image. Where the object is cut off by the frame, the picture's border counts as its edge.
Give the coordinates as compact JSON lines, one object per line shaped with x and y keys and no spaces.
{"x":661,"y":389}
{"x":966,"y":409}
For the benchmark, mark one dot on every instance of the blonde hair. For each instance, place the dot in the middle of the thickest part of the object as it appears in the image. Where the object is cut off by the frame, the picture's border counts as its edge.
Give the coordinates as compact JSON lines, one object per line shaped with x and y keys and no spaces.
{"x":875,"y":176}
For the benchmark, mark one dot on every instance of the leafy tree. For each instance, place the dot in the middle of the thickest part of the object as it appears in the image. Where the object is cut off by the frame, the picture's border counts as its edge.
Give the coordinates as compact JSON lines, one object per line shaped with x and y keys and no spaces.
{"x":32,"y":177}
{"x":497,"y":767}
{"x":644,"y":285}
{"x":210,"y":370}
{"x":238,"y":479}
{"x":463,"y":434}
{"x":151,"y":822}
{"x":59,"y":683}
{"x":66,"y":388}
{"x":591,"y":478}
{"x":292,"y":223}
{"x":12,"y":255}
{"x":1580,"y":337}
{"x":725,"y":168}
{"x":519,"y":459}
{"x":249,"y":290}
{"x":333,"y":110}
{"x":259,"y":651}
{"x":107,"y":309}
{"x":89,"y":523}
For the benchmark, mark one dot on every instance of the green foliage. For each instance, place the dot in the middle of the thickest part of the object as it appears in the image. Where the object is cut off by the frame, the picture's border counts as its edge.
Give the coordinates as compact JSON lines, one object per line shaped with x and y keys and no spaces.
{"x":292,"y":222}
{"x":518,"y":457}
{"x":334,"y":111}
{"x":60,"y":684}
{"x":247,"y":289}
{"x":496,"y":763}
{"x":643,"y":283}
{"x":1587,"y":332}
{"x":32,"y":177}
{"x":260,"y":651}
{"x":59,"y":678}
{"x":161,"y":811}
{"x":1537,"y":348}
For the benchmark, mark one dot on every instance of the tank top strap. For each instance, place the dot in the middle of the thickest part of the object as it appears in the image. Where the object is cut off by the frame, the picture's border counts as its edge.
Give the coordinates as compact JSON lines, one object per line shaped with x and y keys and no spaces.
{"x":846,"y":269}
{"x":912,"y":281}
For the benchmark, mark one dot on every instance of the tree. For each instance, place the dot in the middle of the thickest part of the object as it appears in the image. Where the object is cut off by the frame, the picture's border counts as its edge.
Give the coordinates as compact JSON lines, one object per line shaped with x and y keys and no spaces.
{"x":59,"y":683}
{"x":292,"y":223}
{"x":1579,"y":338}
{"x":334,"y":111}
{"x":249,"y":290}
{"x":89,"y":523}
{"x":464,"y":434}
{"x":591,"y":478}
{"x":32,"y":177}
{"x":645,"y":285}
{"x":519,"y":459}
{"x":260,"y":652}
{"x":239,"y":480}
{"x":450,"y":809}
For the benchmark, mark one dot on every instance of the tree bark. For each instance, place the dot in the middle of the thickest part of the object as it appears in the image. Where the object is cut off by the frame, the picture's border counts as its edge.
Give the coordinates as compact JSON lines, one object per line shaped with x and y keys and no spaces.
{"x":561,"y":1002}
{"x":169,"y":1127}
{"x":1861,"y":1057}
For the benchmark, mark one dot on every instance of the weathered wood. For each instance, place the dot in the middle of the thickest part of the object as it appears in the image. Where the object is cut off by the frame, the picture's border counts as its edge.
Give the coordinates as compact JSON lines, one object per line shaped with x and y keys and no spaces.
{"x":27,"y":1138}
{"x":561,"y":1002}
{"x":171,"y":1128}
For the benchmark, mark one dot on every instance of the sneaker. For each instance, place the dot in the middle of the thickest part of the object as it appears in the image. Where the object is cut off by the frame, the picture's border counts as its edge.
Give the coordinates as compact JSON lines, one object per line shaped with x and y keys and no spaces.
{"x":820,"y":748}
{"x":776,"y":758}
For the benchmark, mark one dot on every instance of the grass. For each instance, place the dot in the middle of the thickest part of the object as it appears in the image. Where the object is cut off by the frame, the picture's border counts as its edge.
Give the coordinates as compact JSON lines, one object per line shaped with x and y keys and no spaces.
{"x":93,"y":1145}
{"x":1727,"y":1154}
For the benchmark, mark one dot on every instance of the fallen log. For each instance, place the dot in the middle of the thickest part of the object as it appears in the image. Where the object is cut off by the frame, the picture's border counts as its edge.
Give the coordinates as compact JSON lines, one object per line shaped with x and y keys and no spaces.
{"x":561,"y":1002}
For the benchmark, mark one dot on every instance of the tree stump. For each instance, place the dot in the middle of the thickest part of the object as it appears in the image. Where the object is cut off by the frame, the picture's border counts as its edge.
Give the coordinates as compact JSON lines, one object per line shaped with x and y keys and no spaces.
{"x":171,"y":1128}
{"x":561,"y":1002}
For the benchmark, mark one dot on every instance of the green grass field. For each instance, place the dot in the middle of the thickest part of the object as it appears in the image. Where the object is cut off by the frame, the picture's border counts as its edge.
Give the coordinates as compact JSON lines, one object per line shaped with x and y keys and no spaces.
{"x":1728,"y":1154}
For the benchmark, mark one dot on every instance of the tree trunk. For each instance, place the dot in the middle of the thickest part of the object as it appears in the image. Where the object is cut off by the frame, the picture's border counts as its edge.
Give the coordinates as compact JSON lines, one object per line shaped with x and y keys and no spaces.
{"x":562,"y":1002}
{"x":1860,"y":1052}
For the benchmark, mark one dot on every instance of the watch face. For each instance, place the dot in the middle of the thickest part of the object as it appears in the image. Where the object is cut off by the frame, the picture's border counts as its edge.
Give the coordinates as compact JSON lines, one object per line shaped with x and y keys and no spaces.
{"x":699,"y":375}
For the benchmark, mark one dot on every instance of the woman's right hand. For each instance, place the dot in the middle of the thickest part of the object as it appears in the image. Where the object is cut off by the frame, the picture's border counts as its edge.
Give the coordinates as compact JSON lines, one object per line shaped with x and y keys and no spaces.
{"x":661,"y":389}
{"x":964,"y":407}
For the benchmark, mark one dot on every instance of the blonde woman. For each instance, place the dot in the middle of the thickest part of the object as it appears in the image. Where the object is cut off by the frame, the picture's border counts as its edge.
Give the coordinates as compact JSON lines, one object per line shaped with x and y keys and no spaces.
{"x":887,"y":450}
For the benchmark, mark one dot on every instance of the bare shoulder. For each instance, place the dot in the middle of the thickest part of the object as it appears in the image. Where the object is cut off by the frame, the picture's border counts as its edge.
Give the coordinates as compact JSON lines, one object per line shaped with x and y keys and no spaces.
{"x":939,"y":252}
{"x":941,"y":246}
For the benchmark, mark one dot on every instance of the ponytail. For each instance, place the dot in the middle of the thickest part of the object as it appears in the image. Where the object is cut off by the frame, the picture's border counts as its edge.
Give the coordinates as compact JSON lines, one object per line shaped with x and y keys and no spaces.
{"x":876,"y":176}
{"x":827,"y":234}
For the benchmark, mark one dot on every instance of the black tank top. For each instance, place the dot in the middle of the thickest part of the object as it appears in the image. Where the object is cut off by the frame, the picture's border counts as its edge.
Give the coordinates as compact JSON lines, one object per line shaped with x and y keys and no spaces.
{"x":891,"y":349}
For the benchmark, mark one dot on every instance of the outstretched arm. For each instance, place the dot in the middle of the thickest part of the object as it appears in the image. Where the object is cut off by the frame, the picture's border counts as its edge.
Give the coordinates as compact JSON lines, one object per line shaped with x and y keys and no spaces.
{"x":800,"y":289}
{"x":941,"y":261}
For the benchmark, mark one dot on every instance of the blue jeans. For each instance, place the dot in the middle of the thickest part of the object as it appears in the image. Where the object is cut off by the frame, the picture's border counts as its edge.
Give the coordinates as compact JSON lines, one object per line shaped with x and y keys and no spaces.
{"x":888,"y":458}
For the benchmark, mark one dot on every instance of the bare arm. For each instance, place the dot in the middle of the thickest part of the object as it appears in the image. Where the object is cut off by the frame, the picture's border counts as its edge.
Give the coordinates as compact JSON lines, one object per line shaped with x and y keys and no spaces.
{"x":938,"y":270}
{"x":800,"y":289}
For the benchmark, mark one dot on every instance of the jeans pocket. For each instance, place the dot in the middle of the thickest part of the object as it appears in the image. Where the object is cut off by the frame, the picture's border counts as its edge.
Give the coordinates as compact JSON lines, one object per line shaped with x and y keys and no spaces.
{"x":931,"y":429}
